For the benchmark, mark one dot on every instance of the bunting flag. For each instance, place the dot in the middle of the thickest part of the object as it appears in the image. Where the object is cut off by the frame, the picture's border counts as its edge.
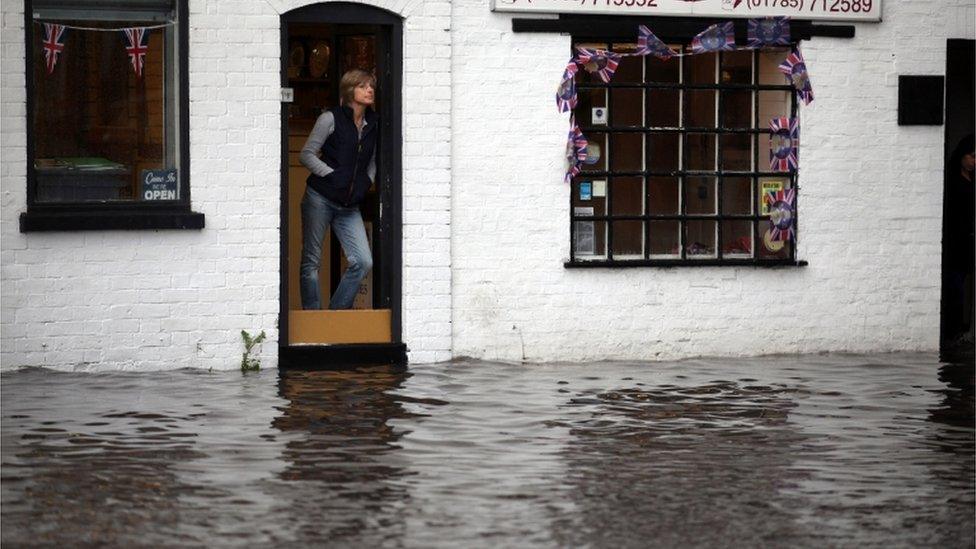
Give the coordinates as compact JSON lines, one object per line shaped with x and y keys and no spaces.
{"x":781,"y":207}
{"x":795,"y":70}
{"x":718,"y":37}
{"x":575,"y":149}
{"x":566,"y":94}
{"x":649,"y":44}
{"x":600,"y":62}
{"x":784,"y":143}
{"x":54,"y":36}
{"x":136,"y":46}
{"x":769,"y":31}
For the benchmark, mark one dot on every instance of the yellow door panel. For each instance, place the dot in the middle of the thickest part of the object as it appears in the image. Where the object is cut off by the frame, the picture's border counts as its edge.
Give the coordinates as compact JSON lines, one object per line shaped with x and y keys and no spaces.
{"x":331,"y":327}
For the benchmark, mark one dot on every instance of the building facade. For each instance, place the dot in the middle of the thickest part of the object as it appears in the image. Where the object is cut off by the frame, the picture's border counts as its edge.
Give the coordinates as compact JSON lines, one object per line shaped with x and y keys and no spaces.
{"x":482,"y":263}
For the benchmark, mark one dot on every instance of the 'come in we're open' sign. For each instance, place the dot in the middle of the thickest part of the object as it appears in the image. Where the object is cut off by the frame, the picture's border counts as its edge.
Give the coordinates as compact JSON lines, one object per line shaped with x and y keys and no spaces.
{"x":159,"y":185}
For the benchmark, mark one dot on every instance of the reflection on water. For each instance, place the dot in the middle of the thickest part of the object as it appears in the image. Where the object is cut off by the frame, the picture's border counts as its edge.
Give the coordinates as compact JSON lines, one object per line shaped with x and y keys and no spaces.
{"x":340,"y":464}
{"x":788,"y":451}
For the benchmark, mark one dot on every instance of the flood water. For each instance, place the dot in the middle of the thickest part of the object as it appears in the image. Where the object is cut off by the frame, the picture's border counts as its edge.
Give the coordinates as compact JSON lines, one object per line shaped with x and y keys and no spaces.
{"x":812,"y":451}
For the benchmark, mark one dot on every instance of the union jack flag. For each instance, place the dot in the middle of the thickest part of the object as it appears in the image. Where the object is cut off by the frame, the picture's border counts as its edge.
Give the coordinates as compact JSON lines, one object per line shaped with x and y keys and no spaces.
{"x":781,"y":207}
{"x":136,"y":46}
{"x":600,"y":62}
{"x":575,"y":149}
{"x":769,"y":31}
{"x":718,"y":37}
{"x":795,"y":70}
{"x":784,"y":143}
{"x":649,"y":44}
{"x":54,"y":36}
{"x":566,"y":94}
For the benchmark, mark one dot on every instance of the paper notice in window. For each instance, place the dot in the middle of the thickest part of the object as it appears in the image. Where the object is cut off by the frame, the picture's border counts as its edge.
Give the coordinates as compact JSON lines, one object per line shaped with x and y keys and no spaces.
{"x":768,"y":186}
{"x":599,"y":188}
{"x":584,"y":233}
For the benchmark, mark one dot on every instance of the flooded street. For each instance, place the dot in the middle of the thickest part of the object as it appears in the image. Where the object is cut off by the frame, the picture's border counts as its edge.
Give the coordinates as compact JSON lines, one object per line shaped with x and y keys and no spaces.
{"x":812,"y":451}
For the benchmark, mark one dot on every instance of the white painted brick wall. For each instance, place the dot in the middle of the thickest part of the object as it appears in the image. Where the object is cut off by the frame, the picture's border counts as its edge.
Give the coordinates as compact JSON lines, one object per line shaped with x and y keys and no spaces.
{"x":870,"y":212}
{"x":170,"y":299}
{"x":485,"y":212}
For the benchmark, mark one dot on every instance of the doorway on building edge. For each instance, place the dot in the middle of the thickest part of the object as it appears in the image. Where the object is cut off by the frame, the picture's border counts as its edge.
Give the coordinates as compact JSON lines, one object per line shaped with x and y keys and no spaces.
{"x":319,"y":44}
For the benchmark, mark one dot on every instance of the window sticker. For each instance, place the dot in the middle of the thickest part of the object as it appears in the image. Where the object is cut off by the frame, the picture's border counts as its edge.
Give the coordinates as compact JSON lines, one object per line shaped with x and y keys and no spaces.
{"x":599,"y":188}
{"x":586,"y":190}
{"x":599,"y":116}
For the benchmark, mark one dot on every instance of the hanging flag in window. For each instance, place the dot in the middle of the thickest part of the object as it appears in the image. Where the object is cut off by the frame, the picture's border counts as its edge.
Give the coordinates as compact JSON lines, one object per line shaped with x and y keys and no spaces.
{"x":781,"y":206}
{"x":575,"y":149}
{"x":649,"y":44}
{"x":795,"y":70}
{"x":783,"y":144}
{"x":566,"y":94}
{"x":136,"y":46}
{"x":769,"y":31}
{"x":599,"y":62}
{"x":718,"y":37}
{"x":54,"y":36}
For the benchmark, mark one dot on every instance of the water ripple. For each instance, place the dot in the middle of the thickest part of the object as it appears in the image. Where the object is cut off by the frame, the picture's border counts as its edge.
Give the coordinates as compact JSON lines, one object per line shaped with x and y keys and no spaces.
{"x":782,"y":451}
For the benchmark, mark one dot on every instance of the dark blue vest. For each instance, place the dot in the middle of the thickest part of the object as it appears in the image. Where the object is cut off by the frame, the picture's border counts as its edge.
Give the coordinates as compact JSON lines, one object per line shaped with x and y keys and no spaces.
{"x":348,"y":155}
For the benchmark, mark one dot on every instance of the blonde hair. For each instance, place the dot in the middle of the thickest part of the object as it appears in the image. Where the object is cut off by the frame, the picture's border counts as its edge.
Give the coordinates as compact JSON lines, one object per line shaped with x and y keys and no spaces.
{"x":351,"y":80}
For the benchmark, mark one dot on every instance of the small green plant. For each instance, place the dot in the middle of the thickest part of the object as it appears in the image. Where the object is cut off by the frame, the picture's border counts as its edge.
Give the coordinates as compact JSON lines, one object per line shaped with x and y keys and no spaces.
{"x":249,"y":363}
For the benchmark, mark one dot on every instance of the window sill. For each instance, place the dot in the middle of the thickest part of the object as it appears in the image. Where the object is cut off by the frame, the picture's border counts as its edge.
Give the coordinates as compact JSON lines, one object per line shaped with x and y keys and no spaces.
{"x":777,"y":263}
{"x":127,"y":220}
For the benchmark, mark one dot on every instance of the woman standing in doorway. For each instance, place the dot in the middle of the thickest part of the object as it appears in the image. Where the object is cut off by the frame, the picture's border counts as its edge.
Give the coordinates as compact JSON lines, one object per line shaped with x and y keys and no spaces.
{"x":341,"y":154}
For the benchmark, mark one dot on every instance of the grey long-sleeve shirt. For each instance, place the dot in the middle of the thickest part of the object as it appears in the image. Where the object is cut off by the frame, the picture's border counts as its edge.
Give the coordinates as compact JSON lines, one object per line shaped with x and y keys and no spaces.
{"x":324,"y":127}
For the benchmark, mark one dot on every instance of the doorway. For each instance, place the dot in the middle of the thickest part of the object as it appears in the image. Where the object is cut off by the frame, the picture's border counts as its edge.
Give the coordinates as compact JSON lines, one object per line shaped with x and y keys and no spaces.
{"x":319,"y":44}
{"x":956,"y":338}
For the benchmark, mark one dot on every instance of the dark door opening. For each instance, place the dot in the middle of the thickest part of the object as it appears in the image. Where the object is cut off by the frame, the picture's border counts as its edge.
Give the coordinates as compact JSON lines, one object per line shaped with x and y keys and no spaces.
{"x":319,"y":44}
{"x":956,"y":337}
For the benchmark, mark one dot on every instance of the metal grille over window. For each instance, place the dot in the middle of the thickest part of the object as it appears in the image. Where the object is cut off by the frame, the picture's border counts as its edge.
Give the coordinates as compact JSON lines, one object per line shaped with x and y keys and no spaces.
{"x":678,"y":167}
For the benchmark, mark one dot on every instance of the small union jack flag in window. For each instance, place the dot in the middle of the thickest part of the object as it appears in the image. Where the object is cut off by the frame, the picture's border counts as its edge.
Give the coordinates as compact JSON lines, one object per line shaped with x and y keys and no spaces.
{"x":136,"y":46}
{"x":796,"y":73}
{"x":54,"y":36}
{"x":566,"y":94}
{"x":784,"y":143}
{"x":599,"y":62}
{"x":769,"y":31}
{"x":649,"y":44}
{"x":575,"y":149}
{"x":781,"y":213}
{"x":718,"y":37}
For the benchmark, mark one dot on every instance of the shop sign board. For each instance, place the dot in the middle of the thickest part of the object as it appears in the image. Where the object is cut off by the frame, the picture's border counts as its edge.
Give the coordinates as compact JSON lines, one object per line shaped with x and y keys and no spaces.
{"x":837,"y":10}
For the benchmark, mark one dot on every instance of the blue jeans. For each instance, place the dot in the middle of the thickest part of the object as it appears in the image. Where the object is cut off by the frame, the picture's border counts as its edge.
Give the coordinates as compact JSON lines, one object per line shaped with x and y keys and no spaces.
{"x":318,"y":213}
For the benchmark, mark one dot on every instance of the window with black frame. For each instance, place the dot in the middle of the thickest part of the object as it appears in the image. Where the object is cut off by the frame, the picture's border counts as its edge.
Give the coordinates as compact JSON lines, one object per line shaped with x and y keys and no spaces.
{"x":106,"y":126}
{"x":679,"y":159}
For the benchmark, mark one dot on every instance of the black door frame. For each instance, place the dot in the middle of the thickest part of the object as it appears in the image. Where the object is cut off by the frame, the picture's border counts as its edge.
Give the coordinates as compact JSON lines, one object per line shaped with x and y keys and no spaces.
{"x":390,"y":168}
{"x":959,"y":90}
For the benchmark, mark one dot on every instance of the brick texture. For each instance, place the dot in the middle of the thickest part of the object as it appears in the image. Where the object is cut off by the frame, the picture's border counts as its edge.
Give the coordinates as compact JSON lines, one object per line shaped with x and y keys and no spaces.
{"x":869,"y":208}
{"x":486,"y":219}
{"x":172,"y":299}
